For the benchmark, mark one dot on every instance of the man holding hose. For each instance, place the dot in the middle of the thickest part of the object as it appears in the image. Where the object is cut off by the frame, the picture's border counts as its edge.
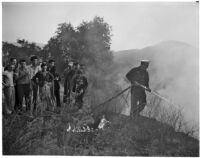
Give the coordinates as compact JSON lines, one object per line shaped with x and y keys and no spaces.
{"x":138,"y":97}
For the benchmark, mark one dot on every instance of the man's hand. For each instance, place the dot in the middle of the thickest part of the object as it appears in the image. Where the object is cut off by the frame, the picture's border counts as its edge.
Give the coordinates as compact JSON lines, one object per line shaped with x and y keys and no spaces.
{"x":148,"y":89}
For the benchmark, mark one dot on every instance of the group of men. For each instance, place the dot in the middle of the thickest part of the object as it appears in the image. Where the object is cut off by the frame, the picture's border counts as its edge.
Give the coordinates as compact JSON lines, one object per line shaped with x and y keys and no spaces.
{"x":40,"y":81}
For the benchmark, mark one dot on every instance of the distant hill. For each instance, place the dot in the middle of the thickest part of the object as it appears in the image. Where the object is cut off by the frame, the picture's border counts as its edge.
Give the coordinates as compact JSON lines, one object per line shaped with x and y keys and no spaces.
{"x":173,"y":72}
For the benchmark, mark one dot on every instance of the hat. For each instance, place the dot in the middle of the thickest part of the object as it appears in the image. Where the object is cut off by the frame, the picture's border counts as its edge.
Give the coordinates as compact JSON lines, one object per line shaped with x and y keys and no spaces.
{"x":145,"y":61}
{"x":33,"y":57}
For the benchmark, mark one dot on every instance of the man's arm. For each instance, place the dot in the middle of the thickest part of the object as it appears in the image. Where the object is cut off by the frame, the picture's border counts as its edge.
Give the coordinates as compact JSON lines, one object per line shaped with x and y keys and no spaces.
{"x":147,"y":82}
{"x":21,"y":75}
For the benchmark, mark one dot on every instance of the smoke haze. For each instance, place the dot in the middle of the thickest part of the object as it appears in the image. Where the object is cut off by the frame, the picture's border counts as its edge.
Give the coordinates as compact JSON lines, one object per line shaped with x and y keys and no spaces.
{"x":173,"y":73}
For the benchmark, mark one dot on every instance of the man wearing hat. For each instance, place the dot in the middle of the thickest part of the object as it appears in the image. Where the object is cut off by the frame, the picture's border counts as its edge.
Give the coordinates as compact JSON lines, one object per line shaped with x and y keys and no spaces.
{"x":138,"y":97}
{"x":33,"y":69}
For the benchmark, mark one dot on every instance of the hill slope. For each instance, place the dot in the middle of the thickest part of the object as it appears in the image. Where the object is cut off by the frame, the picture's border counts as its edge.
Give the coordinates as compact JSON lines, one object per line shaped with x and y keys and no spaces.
{"x":124,"y":137}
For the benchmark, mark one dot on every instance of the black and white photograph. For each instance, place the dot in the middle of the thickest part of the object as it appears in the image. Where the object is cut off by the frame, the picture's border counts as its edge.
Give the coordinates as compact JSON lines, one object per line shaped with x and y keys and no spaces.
{"x":100,"y":78}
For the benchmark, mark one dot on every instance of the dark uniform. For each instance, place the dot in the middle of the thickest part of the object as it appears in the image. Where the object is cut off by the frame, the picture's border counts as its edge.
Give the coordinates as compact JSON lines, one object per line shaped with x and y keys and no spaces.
{"x":138,"y":95}
{"x":79,"y":85}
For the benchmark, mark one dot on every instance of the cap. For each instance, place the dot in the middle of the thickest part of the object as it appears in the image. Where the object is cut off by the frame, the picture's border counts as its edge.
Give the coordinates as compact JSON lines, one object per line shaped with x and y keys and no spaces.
{"x":145,"y":61}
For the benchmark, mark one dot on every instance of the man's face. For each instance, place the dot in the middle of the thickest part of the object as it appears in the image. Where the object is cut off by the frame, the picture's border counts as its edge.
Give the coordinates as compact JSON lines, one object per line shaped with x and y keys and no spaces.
{"x":44,"y":68}
{"x":52,"y":64}
{"x":14,"y":62}
{"x":145,"y":66}
{"x":35,"y":61}
{"x":23,"y":64}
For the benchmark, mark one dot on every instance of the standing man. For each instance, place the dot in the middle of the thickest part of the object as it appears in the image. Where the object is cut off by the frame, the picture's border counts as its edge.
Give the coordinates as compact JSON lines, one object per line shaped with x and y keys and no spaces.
{"x":65,"y":74}
{"x":68,"y":80}
{"x":44,"y":80}
{"x":33,"y":69}
{"x":13,"y":61}
{"x":138,"y":96}
{"x":8,"y":89}
{"x":56,"y":89}
{"x":23,"y":85}
{"x":79,"y":86}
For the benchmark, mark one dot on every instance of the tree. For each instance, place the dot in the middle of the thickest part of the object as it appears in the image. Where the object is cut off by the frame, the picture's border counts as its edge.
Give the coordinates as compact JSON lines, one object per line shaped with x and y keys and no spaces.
{"x":89,"y":43}
{"x":21,"y":49}
{"x":94,"y":40}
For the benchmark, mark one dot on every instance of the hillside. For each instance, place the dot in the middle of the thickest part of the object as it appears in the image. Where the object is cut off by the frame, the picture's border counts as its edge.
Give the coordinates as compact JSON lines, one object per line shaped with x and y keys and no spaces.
{"x":123,"y":137}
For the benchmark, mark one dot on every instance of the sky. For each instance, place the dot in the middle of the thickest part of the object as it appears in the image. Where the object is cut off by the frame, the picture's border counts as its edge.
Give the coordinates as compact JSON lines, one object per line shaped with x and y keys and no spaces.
{"x":135,"y":25}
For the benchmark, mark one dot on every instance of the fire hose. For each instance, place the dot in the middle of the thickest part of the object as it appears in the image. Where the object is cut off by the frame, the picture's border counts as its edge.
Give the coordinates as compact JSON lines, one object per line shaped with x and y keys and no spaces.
{"x":136,"y":83}
{"x":155,"y":93}
{"x":115,"y":96}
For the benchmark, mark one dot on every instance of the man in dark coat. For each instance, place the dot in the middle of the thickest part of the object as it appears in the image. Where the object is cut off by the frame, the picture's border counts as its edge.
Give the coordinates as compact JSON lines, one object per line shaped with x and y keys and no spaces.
{"x":57,"y":79}
{"x":64,"y":76}
{"x":138,"y":96}
{"x":79,"y":85}
{"x":68,"y":80}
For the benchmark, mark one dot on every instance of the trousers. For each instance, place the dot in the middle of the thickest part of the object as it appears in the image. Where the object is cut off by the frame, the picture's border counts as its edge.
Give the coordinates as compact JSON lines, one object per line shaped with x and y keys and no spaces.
{"x":9,"y":93}
{"x":138,"y":100}
{"x":23,"y":91}
{"x":34,"y":95}
{"x":57,"y":95}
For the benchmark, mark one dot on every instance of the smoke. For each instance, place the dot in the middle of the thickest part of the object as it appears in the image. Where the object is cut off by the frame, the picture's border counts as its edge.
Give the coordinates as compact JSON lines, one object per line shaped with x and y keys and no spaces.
{"x":173,"y":73}
{"x":176,"y":76}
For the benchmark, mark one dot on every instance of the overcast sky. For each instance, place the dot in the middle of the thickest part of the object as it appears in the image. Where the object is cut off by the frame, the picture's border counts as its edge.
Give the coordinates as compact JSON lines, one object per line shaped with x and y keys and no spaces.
{"x":134,"y":25}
